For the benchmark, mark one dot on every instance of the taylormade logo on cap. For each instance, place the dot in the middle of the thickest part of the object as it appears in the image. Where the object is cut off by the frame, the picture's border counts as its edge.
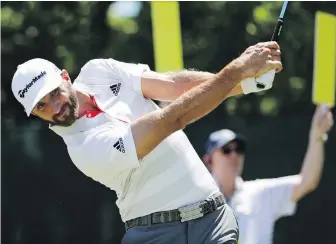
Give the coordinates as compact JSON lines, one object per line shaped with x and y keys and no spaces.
{"x":36,"y":78}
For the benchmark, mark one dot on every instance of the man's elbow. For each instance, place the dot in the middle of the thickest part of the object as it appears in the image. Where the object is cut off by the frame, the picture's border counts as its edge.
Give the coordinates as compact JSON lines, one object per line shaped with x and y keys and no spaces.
{"x":174,"y":125}
{"x":180,"y":124}
{"x":304,"y":188}
{"x":308,"y":188}
{"x":310,"y":182}
{"x":312,"y":186}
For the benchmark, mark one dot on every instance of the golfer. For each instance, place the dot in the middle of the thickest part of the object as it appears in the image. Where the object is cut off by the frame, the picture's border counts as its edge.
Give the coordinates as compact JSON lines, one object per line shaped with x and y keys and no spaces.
{"x":116,"y":135}
{"x":258,"y":204}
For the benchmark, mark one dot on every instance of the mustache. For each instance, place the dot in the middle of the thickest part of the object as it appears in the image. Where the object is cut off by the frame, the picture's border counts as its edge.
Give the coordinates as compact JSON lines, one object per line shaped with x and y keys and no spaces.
{"x":72,"y":115}
{"x":60,"y":113}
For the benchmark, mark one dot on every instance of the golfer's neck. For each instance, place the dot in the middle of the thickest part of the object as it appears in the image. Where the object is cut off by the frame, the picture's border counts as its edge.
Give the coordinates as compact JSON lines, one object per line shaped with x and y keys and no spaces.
{"x":84,"y":103}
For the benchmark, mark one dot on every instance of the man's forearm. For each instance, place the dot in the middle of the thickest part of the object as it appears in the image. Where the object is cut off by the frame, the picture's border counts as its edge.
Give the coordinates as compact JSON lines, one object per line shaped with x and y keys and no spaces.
{"x":313,"y":163}
{"x":205,"y":97}
{"x":189,"y":76}
{"x":167,"y":87}
{"x":311,"y":169}
{"x":192,"y":78}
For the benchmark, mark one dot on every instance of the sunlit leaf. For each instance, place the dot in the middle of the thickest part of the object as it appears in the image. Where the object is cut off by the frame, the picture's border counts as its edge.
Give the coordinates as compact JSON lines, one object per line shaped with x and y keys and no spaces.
{"x":268,"y":106}
{"x":11,"y":19}
{"x":251,"y":29}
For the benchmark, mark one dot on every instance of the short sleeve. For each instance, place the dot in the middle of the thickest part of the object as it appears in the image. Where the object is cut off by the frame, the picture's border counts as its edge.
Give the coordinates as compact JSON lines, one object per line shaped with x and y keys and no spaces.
{"x":276,"y":195}
{"x":105,"y":71}
{"x":105,"y":150}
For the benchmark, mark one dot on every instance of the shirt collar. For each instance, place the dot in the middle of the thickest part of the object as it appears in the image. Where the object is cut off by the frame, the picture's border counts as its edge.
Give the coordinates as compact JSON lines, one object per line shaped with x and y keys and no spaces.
{"x":239,"y":183}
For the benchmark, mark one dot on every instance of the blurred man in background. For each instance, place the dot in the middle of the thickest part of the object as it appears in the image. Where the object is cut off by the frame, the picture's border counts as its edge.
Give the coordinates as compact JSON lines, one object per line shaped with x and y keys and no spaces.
{"x":258,"y":204}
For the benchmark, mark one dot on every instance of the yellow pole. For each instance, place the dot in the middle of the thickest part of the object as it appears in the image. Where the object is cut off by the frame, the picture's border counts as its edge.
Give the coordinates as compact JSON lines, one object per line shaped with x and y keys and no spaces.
{"x":166,"y":36}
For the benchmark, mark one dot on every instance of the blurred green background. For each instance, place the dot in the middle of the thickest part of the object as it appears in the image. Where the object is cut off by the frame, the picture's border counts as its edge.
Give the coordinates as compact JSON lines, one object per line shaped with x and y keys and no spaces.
{"x":46,"y":199}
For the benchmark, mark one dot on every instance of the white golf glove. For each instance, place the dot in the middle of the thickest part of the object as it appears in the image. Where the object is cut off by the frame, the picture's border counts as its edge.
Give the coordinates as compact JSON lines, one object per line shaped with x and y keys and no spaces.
{"x":249,"y":85}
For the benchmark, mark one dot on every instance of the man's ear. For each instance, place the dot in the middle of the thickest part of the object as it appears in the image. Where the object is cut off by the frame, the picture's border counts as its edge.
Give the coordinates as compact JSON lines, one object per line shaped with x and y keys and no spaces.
{"x":207,"y":161}
{"x":206,"y":158}
{"x":65,"y":75}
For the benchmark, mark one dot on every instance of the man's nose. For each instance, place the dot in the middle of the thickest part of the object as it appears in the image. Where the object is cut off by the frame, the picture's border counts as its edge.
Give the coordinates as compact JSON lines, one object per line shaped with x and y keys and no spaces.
{"x":234,"y":153}
{"x":55,"y":107}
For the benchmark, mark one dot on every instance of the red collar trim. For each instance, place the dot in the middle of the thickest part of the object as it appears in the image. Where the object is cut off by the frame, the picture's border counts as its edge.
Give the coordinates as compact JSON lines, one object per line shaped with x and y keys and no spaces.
{"x":93,"y":113}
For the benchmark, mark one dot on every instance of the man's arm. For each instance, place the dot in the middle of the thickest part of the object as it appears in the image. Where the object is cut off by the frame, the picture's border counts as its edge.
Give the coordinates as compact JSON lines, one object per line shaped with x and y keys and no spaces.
{"x":280,"y":195}
{"x":313,"y":161}
{"x":169,"y":86}
{"x":151,"y":129}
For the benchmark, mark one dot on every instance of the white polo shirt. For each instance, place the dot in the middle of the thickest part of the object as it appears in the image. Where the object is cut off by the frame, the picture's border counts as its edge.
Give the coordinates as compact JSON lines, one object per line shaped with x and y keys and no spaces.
{"x":258,"y":204}
{"x":102,"y":145}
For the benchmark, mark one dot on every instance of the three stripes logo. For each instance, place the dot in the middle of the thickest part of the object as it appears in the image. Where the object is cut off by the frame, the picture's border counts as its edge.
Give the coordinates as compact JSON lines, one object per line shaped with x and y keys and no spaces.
{"x":119,"y":145}
{"x":115,"y":88}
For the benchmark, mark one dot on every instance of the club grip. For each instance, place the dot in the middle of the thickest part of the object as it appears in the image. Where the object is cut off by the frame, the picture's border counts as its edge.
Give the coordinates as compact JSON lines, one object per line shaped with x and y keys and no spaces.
{"x":277,"y":30}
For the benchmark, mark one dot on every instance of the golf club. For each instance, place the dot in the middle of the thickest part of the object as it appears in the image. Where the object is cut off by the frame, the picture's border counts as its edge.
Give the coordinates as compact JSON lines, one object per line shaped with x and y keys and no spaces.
{"x":276,"y":32}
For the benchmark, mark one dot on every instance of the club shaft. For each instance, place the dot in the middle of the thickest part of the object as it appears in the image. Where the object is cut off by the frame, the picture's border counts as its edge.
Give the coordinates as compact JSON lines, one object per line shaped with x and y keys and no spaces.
{"x":277,"y":29}
{"x":283,"y":10}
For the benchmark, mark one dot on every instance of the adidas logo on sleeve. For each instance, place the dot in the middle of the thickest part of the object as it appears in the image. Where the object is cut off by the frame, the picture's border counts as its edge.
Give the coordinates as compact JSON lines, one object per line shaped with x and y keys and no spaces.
{"x":119,"y":145}
{"x":115,"y":88}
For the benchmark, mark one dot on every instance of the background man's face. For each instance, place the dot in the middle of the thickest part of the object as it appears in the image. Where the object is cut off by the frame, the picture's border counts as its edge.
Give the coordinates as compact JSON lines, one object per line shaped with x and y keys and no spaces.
{"x":227,"y":162}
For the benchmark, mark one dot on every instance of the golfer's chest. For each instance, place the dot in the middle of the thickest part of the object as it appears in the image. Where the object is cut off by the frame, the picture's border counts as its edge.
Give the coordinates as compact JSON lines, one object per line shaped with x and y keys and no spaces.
{"x":116,"y":101}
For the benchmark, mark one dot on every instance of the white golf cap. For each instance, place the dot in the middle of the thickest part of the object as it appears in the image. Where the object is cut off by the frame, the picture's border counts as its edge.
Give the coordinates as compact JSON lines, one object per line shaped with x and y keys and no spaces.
{"x":33,"y":80}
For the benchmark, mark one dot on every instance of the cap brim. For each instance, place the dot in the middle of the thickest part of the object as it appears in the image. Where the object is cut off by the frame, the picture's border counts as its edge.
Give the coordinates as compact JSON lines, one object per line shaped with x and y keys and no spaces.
{"x":51,"y":82}
{"x":238,"y":138}
{"x":241,"y":141}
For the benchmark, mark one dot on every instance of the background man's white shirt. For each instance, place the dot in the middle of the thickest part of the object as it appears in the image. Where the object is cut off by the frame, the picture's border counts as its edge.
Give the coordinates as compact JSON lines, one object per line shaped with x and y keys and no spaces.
{"x":258,"y":204}
{"x":102,"y":147}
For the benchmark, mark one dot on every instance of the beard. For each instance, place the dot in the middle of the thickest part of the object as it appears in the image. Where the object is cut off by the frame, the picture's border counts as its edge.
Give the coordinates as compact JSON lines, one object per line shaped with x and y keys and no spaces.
{"x":69,"y":119}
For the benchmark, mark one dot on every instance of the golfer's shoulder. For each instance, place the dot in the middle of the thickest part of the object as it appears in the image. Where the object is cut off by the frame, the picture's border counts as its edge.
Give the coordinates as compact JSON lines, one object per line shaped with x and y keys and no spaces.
{"x":98,"y":72}
{"x":101,"y":65}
